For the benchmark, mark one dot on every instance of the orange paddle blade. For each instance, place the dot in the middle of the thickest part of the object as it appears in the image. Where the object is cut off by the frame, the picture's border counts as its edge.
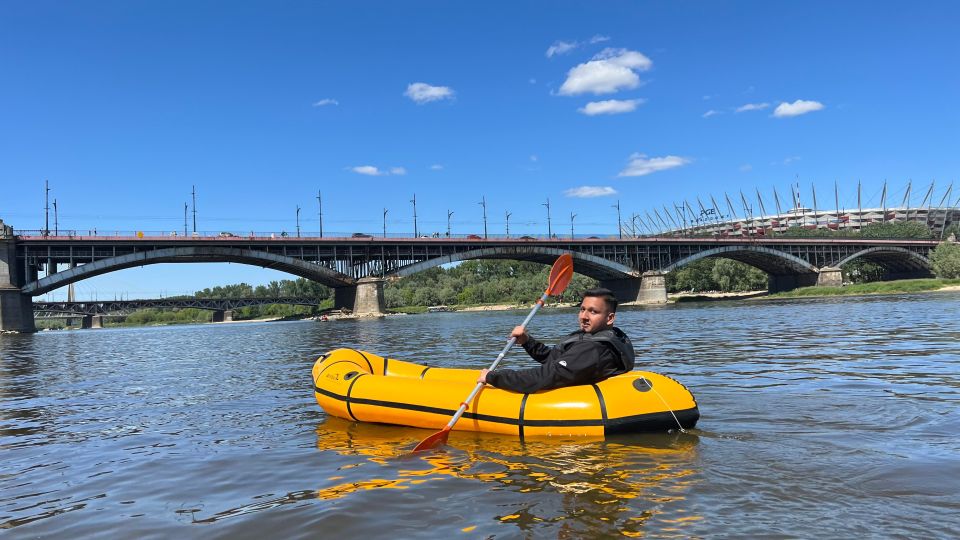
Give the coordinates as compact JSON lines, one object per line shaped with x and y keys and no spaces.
{"x":434,"y":441}
{"x":560,"y":275}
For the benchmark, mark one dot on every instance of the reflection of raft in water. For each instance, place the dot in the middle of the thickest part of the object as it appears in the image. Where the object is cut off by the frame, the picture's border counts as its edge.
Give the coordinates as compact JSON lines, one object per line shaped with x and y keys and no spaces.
{"x":365,"y":387}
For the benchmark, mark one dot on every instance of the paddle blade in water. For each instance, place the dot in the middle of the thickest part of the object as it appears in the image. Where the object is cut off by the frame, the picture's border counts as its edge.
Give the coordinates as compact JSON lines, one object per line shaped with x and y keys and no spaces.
{"x":560,"y":275}
{"x":434,"y":441}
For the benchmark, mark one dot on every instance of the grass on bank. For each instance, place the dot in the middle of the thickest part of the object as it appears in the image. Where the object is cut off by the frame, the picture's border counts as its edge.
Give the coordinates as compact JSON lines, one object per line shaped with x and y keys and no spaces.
{"x":876,"y":287}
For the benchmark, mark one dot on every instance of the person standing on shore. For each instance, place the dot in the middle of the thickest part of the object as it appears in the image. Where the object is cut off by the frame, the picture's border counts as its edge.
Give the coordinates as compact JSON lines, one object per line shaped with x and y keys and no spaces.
{"x":597,"y":351}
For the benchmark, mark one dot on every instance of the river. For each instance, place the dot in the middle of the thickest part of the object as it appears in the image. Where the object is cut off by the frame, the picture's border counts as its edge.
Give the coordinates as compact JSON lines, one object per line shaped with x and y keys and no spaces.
{"x":831,"y":418}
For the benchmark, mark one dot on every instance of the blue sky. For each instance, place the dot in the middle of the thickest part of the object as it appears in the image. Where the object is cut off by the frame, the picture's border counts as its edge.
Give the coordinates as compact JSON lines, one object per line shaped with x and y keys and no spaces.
{"x":123,"y":106}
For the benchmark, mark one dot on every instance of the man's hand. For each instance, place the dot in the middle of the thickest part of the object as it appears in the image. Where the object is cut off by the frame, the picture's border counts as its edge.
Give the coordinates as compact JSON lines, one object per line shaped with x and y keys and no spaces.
{"x":483,"y":376}
{"x":521,"y":334}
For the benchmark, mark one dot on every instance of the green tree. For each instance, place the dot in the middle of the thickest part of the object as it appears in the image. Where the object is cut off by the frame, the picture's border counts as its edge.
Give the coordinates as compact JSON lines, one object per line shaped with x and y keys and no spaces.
{"x":946,"y":260}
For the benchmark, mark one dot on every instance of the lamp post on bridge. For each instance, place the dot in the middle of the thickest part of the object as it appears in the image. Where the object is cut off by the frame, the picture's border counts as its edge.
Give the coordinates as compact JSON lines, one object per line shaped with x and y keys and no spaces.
{"x":320,"y":203}
{"x":507,"y":221}
{"x":298,"y":221}
{"x":619,"y":227}
{"x":483,"y":203}
{"x":184,"y":219}
{"x":385,"y":222}
{"x":414,"y":201}
{"x":56,"y":221}
{"x":194,"y":194}
{"x":549,"y":229}
{"x":572,"y":215}
{"x":46,"y":208}
{"x":449,"y":215}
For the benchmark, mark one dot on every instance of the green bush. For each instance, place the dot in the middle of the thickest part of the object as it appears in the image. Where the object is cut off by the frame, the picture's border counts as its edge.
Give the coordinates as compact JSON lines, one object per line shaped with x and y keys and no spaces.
{"x":946,"y":260}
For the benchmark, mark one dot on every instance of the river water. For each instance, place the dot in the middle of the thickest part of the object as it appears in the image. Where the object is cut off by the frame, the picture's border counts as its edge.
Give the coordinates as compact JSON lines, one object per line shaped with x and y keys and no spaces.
{"x":830,"y":418}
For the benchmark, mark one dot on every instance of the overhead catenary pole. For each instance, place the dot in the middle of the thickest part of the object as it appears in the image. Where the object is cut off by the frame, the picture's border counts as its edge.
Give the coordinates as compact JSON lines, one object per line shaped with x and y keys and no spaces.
{"x":416,"y":233}
{"x":298,"y":221}
{"x":549,"y":229}
{"x":619,"y":227}
{"x":185,"y":206}
{"x":385,"y":222}
{"x":483,"y":203}
{"x":449,"y":215}
{"x":194,"y":195}
{"x":572,"y":215}
{"x":506,"y":221}
{"x":46,"y":208}
{"x":320,"y":212}
{"x":56,"y":220}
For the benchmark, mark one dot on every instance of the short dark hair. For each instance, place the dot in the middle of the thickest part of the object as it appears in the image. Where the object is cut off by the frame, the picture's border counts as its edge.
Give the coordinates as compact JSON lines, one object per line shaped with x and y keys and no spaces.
{"x":606,"y":294}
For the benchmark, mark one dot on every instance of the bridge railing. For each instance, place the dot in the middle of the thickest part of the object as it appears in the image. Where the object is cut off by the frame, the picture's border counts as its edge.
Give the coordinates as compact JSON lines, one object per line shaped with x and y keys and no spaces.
{"x":284,"y":235}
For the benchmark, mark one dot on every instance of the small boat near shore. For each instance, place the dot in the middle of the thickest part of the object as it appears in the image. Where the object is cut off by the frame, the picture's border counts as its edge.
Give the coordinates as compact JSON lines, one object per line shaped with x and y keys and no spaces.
{"x":365,"y":387}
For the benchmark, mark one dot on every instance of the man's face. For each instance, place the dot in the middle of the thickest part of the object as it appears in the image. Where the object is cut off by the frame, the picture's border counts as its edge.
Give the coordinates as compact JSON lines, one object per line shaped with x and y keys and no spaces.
{"x":594,"y":315}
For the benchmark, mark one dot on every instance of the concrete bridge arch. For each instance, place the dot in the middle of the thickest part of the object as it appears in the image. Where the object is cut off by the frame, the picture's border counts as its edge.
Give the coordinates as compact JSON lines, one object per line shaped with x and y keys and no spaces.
{"x":785,"y":271}
{"x":189,"y":254}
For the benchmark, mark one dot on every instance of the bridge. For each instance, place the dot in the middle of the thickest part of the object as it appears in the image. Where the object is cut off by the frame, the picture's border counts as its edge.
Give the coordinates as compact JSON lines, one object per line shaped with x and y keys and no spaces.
{"x":92,"y":312}
{"x":32,"y":264}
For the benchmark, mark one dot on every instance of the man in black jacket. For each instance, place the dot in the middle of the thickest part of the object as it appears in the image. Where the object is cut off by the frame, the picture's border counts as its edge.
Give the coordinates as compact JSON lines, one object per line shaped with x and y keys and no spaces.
{"x":595,"y":352}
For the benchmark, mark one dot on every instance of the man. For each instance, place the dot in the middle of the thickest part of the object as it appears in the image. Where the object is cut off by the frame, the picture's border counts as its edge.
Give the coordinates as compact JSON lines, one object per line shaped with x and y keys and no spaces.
{"x":595,"y":352}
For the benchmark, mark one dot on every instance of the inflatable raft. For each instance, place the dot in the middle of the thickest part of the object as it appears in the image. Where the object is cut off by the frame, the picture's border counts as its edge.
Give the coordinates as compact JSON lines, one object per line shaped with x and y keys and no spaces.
{"x":364,"y":387}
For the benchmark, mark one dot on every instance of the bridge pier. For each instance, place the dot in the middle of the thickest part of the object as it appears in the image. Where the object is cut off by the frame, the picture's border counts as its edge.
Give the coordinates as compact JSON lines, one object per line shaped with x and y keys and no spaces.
{"x":93,"y":322}
{"x":369,"y":299}
{"x":651,"y":288}
{"x":222,"y":315}
{"x":16,"y":308}
{"x":364,"y":299}
{"x":830,"y":276}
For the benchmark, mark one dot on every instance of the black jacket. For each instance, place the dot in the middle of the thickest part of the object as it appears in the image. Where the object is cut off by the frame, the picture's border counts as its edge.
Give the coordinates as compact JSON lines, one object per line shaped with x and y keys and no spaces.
{"x":581,"y":358}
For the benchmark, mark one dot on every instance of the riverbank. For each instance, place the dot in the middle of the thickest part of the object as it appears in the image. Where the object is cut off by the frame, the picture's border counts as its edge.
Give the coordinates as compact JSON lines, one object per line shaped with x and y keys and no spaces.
{"x":903,"y":286}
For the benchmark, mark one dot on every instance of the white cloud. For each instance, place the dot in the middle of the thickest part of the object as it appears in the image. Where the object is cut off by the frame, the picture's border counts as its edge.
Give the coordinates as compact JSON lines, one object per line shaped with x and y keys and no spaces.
{"x":425,"y":93}
{"x":585,"y":192}
{"x":609,"y":71}
{"x":752,"y":107}
{"x":797,"y":108}
{"x":560,"y":47}
{"x":710,"y":113}
{"x":326,"y":101}
{"x":563,"y":47}
{"x":641,"y":165}
{"x":370,"y":170}
{"x":436,"y":167}
{"x":611,"y":106}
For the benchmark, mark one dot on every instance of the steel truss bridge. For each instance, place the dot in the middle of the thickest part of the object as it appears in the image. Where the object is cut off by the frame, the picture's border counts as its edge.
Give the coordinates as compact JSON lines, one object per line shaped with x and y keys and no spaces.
{"x":343,"y":262}
{"x":126,"y":307}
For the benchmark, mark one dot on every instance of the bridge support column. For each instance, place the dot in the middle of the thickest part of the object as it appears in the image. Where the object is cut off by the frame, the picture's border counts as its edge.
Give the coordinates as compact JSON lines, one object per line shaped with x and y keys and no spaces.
{"x":651,"y":288}
{"x":788,"y":282}
{"x":830,"y":276}
{"x":369,"y":301}
{"x":16,"y":308}
{"x":222,"y":315}
{"x":16,"y":311}
{"x":92,"y":322}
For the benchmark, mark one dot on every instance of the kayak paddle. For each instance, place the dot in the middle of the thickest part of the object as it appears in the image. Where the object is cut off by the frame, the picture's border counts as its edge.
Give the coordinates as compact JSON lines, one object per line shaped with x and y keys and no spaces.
{"x":560,"y":276}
